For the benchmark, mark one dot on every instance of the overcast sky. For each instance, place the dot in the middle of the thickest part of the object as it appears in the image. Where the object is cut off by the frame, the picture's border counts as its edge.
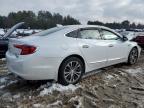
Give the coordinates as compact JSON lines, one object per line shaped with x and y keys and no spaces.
{"x":83,"y":10}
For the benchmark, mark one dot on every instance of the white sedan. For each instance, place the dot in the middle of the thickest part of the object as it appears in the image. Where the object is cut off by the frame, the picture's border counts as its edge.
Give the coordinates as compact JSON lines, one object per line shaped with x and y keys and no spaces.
{"x":65,"y":53}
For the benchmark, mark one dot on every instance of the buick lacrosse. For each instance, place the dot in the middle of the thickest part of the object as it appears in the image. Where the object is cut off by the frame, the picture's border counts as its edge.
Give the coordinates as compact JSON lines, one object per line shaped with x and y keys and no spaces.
{"x":65,"y":53}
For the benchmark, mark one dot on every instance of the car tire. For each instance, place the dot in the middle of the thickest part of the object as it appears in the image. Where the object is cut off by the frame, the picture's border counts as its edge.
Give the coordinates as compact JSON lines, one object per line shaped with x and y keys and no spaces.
{"x":71,"y":71}
{"x":133,"y":56}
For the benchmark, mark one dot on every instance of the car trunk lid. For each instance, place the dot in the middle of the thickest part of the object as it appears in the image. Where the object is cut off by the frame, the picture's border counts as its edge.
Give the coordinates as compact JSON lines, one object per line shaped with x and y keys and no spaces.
{"x":11,"y":30}
{"x":20,"y":47}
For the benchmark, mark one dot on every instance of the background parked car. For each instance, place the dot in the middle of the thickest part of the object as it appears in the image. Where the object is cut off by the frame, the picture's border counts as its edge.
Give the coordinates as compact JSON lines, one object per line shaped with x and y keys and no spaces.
{"x":4,"y":40}
{"x":139,"y":38}
{"x":134,"y":36}
{"x":14,"y":32}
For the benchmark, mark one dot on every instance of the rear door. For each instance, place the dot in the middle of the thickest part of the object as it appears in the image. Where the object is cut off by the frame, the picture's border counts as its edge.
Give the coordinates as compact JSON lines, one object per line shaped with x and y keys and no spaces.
{"x":92,"y":47}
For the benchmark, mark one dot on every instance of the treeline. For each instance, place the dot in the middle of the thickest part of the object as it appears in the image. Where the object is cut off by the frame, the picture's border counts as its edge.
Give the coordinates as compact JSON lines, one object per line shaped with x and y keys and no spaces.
{"x":115,"y":25}
{"x":42,"y":20}
{"x":46,"y":19}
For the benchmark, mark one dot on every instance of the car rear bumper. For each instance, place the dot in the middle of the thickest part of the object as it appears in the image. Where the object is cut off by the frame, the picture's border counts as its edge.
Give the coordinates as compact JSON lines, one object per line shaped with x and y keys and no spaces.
{"x":33,"y":68}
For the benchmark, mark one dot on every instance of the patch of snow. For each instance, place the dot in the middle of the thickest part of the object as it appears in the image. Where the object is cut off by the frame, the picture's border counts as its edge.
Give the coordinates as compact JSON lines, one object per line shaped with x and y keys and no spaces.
{"x":57,"y":103}
{"x":30,"y":97}
{"x":79,"y":99}
{"x":12,"y":82}
{"x":44,"y":86}
{"x":122,"y":73}
{"x":129,"y":88}
{"x":109,"y":77}
{"x":93,"y":103}
{"x":73,"y":98}
{"x":3,"y":59}
{"x":38,"y":105}
{"x":3,"y":80}
{"x":58,"y":87}
{"x":2,"y":32}
{"x":37,"y":31}
{"x":135,"y":71}
{"x":114,"y":85}
{"x":16,"y":96}
{"x":116,"y":76}
{"x":2,"y":86}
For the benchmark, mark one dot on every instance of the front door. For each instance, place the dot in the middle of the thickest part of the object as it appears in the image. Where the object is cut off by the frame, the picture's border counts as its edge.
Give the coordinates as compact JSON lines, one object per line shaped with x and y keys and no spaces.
{"x":117,"y":48}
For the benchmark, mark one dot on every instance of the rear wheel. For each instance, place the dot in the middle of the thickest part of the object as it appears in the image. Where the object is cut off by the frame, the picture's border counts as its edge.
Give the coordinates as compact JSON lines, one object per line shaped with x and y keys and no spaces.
{"x":71,"y":71}
{"x":133,"y":56}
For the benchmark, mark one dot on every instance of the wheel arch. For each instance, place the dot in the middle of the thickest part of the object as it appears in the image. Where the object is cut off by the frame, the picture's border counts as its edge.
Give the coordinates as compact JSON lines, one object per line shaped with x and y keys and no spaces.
{"x":138,"y":52}
{"x":133,"y":46}
{"x":73,"y":55}
{"x":136,"y":48}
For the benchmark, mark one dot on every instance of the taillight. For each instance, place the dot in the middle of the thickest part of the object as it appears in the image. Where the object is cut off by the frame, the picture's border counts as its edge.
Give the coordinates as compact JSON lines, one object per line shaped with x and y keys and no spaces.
{"x":26,"y":49}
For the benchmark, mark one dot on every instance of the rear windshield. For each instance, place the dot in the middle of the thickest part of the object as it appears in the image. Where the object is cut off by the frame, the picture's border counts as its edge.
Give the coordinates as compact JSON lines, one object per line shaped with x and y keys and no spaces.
{"x":49,"y":31}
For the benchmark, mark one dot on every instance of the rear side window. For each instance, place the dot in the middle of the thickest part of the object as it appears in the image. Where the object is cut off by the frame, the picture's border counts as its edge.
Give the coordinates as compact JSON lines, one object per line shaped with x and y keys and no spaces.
{"x":72,"y":34}
{"x":90,"y":34}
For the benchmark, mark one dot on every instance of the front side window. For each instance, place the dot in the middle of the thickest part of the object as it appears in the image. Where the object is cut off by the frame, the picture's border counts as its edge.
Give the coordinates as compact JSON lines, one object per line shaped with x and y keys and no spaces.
{"x":90,"y":34}
{"x":107,"y":35}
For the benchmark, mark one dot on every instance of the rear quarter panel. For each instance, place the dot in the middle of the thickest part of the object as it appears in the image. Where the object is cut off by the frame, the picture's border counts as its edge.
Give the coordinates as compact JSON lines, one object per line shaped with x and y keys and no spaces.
{"x":132,"y":45}
{"x":59,"y":46}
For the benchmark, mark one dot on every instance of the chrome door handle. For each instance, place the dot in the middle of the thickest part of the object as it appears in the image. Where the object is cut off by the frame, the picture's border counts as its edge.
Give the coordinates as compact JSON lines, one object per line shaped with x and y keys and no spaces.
{"x":85,"y":46}
{"x":111,"y":45}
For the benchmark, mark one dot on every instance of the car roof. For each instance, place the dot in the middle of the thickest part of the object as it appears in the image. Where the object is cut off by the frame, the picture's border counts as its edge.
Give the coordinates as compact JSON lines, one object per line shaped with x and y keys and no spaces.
{"x":69,"y":28}
{"x":84,"y":26}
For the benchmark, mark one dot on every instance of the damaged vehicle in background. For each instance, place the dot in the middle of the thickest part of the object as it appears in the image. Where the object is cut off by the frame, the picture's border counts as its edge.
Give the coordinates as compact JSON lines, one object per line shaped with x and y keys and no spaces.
{"x":139,"y":38}
{"x":135,"y":36}
{"x":12,"y":33}
{"x":65,"y":53}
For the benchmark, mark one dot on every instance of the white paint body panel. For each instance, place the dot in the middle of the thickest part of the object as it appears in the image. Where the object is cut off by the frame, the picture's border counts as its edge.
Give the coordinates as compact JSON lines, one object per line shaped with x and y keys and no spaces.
{"x":54,"y":48}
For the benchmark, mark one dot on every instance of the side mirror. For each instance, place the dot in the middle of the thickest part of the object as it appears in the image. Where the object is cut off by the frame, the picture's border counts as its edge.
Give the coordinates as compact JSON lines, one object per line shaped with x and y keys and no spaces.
{"x":124,"y":38}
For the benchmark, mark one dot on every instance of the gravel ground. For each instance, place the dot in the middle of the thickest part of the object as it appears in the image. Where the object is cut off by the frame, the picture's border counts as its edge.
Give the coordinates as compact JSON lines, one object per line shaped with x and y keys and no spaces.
{"x":118,"y":86}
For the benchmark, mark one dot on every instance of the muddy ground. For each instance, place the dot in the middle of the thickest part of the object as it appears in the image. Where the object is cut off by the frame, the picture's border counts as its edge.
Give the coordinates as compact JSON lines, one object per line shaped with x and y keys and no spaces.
{"x":119,"y":86}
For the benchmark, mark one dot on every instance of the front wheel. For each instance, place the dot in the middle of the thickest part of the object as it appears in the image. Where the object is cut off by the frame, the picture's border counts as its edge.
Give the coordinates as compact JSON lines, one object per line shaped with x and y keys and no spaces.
{"x":71,"y":71}
{"x":133,"y":56}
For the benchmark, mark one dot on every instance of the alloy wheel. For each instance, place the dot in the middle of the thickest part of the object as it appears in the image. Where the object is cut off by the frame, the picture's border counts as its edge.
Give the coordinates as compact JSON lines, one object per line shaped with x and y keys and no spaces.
{"x":72,"y":71}
{"x":133,"y":56}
